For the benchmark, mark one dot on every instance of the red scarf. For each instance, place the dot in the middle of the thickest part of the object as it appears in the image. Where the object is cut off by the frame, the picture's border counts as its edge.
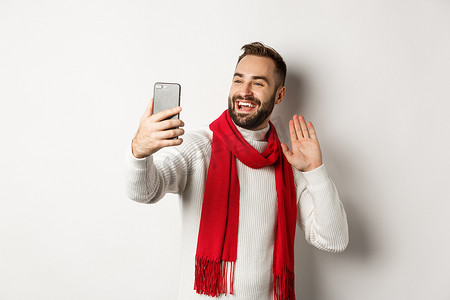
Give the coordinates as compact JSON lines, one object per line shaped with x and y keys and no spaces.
{"x":218,"y":232}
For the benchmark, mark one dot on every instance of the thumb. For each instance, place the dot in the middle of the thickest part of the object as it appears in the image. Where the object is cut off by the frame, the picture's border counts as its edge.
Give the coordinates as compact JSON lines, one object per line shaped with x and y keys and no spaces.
{"x":149,"y":110}
{"x":287,"y":153}
{"x":286,"y":150}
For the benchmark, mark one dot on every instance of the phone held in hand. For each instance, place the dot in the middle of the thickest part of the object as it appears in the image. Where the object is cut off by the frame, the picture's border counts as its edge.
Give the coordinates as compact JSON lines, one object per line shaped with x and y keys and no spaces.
{"x":166,"y":96}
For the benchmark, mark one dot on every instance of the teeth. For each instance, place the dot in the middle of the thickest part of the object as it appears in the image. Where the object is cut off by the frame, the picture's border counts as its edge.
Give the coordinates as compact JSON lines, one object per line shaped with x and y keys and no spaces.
{"x":246,"y":104}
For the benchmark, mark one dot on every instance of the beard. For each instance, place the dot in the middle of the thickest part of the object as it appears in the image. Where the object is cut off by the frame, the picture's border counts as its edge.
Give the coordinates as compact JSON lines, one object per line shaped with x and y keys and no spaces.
{"x":251,"y":121}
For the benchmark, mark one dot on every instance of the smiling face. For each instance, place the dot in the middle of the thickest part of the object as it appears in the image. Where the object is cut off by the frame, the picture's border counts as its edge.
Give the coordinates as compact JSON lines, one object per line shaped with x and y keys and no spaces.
{"x":253,"y":93}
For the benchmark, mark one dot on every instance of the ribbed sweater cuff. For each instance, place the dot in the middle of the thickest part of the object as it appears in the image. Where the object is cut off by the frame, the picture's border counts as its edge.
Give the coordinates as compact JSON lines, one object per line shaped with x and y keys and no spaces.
{"x":138,"y":163}
{"x":317,"y":176}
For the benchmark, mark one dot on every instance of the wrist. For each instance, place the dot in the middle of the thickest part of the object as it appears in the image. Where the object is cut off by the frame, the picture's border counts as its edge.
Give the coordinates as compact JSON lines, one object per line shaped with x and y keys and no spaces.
{"x":135,"y":150}
{"x":312,"y":167}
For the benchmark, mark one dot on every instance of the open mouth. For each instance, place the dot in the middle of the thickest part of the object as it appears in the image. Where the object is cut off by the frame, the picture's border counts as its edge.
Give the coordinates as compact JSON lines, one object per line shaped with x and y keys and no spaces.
{"x":245,"y":106}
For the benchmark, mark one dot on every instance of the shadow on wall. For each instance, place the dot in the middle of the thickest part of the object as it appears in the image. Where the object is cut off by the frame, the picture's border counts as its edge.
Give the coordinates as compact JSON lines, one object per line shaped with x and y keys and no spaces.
{"x":293,"y":103}
{"x":307,"y":282}
{"x":351,"y":186}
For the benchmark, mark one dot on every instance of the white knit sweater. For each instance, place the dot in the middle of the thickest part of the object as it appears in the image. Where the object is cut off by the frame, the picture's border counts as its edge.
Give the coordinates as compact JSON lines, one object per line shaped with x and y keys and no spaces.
{"x":183,"y":170}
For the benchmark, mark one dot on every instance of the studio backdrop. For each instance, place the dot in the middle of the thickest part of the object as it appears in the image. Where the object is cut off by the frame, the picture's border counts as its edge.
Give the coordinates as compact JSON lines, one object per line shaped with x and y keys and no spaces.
{"x":75,"y":77}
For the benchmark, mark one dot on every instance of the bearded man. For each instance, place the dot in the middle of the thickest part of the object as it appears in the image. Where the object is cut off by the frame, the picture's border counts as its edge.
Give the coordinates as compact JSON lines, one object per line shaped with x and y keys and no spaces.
{"x":242,"y":192}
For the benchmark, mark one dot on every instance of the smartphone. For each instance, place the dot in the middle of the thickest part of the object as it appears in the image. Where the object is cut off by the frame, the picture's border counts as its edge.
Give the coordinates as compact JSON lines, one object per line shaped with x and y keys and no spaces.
{"x":165,"y":96}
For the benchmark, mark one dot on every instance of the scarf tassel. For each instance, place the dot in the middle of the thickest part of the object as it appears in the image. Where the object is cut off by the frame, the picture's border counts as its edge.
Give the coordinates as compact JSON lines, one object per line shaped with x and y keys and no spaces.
{"x":284,"y":286}
{"x":212,"y":276}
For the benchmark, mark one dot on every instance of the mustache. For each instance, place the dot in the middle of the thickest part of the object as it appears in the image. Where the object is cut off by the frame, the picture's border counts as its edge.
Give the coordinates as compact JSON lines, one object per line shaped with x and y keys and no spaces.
{"x":250,"y":98}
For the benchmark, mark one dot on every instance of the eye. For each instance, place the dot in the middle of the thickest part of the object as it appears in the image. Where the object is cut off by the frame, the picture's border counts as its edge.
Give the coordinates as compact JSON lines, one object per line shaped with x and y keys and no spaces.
{"x":259,"y":84}
{"x":237,"y":81}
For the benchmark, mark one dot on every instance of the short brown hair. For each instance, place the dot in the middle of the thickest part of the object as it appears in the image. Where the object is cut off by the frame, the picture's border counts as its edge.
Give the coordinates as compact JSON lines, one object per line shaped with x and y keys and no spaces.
{"x":259,"y":49}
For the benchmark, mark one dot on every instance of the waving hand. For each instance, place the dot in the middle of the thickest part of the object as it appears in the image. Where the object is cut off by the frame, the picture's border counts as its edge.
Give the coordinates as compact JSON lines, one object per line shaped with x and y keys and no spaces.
{"x":306,"y":154}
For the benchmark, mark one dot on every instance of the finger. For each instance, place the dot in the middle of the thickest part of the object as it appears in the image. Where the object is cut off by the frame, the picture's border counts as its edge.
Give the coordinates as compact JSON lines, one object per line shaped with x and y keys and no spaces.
{"x":292,"y":131}
{"x":162,"y":115}
{"x":304,"y":127}
{"x":169,"y":124}
{"x":173,"y":133}
{"x":167,"y":134}
{"x":297,"y":126}
{"x":312,"y":130}
{"x":149,"y":110}
{"x":172,"y":142}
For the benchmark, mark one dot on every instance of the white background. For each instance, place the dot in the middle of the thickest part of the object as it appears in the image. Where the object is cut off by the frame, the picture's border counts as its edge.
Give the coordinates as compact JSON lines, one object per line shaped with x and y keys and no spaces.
{"x":75,"y":77}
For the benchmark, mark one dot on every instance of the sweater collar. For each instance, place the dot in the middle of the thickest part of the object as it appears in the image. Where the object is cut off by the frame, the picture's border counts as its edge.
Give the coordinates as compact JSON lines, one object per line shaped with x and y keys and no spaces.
{"x":255,"y":135}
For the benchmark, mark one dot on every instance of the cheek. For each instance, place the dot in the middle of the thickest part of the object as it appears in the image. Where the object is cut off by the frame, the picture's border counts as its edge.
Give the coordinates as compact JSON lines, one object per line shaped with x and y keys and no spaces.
{"x":265,"y":97}
{"x":233,"y":90}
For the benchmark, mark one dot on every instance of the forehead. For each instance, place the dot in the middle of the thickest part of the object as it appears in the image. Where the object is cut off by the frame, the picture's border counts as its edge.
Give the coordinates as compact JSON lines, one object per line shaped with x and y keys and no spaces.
{"x":252,"y":65}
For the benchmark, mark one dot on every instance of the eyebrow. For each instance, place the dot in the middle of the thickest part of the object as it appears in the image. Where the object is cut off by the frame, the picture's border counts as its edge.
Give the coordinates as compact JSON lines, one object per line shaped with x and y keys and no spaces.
{"x":253,"y":77}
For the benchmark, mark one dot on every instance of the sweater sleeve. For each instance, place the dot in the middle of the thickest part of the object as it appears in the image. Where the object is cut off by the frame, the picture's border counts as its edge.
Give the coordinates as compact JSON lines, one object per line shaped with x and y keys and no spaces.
{"x":168,"y":170}
{"x":147,"y":180}
{"x":320,"y":213}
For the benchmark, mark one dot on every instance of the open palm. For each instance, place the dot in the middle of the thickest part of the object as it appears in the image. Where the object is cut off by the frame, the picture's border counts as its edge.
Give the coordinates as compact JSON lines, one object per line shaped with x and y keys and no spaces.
{"x":306,"y":154}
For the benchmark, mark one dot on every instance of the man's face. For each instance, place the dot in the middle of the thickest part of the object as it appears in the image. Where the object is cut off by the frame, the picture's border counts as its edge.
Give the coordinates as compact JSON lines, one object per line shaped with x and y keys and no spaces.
{"x":253,"y":93}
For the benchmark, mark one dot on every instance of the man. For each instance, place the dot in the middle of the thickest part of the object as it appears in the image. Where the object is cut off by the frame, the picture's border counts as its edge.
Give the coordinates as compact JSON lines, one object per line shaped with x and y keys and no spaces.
{"x":242,"y":192}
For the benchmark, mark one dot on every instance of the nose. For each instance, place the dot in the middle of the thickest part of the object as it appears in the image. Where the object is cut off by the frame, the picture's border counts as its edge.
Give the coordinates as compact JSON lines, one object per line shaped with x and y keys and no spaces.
{"x":246,"y":90}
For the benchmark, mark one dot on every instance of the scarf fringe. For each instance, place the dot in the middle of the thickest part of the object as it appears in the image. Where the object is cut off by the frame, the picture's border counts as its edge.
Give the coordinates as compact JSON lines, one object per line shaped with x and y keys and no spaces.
{"x":212,"y":276}
{"x":284,"y":286}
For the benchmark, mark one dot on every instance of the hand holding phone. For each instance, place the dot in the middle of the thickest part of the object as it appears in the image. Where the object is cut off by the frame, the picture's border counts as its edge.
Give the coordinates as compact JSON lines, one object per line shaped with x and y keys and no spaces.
{"x":160,"y":124}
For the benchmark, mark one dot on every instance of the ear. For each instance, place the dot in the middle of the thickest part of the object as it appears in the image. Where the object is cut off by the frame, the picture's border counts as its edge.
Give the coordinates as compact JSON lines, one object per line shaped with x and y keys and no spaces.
{"x":280,"y":94}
